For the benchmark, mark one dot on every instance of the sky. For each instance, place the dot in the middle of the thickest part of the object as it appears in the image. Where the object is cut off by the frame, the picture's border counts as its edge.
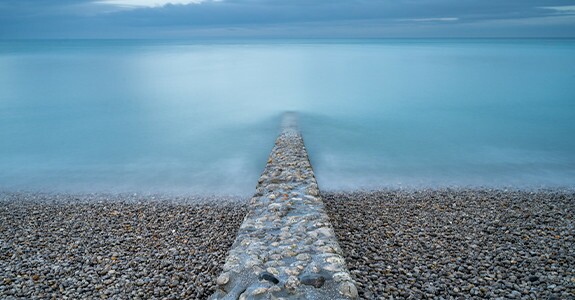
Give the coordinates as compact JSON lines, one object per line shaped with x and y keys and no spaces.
{"x":286,"y":18}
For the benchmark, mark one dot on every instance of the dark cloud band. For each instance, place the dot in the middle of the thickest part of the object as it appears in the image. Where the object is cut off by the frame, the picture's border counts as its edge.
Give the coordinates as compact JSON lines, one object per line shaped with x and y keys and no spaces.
{"x":77,"y":18}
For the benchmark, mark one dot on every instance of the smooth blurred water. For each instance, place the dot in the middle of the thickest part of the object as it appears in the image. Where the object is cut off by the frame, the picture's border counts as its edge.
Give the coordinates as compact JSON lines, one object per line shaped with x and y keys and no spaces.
{"x":201,"y":116}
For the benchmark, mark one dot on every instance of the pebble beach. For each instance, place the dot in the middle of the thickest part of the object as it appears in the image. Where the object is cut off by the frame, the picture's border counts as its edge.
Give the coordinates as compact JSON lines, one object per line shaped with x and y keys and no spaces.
{"x":458,"y":244}
{"x":114,"y":246}
{"x":420,"y":244}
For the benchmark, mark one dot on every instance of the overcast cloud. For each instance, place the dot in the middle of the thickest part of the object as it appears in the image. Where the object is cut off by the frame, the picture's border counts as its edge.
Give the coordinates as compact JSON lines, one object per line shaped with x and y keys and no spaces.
{"x":288,"y":18}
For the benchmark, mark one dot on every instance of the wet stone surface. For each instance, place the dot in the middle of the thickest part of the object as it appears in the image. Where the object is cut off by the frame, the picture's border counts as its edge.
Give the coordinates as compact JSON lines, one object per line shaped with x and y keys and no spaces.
{"x":286,"y":246}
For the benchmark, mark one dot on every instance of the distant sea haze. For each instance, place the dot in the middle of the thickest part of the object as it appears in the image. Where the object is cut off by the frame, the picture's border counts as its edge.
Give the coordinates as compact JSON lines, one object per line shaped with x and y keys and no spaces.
{"x":201,"y":117}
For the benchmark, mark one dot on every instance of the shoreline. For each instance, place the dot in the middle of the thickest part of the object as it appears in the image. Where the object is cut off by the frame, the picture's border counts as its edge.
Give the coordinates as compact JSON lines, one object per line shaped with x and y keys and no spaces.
{"x":397,"y":243}
{"x":192,"y":197}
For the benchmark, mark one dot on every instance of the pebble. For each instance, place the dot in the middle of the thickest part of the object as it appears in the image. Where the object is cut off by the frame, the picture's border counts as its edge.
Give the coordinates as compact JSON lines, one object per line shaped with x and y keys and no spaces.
{"x":316,"y":281}
{"x":64,"y":246}
{"x":348,"y":289}
{"x":259,"y":291}
{"x":223,"y":279}
{"x":292,"y":284}
{"x":457,"y":243}
{"x":303,"y":257}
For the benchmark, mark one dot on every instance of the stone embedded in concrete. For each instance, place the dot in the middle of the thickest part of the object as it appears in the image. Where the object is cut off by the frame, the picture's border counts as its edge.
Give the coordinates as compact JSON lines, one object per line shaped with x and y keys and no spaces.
{"x":268,"y":276}
{"x":316,"y":281}
{"x":286,"y":246}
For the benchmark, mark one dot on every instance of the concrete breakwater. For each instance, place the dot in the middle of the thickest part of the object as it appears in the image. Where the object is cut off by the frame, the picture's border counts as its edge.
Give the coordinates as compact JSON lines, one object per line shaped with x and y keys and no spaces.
{"x":286,"y":246}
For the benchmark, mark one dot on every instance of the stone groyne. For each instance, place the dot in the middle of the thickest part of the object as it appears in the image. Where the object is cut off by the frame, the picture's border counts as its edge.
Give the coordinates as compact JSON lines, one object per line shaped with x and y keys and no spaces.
{"x":286,"y":247}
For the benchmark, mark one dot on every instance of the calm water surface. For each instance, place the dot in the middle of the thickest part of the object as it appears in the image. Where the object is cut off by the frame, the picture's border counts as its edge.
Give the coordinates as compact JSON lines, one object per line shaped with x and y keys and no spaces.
{"x":201,"y":117}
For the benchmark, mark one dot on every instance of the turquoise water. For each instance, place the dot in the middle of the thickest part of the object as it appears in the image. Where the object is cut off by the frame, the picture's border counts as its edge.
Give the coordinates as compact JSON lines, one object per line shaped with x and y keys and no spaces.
{"x":201,"y":116}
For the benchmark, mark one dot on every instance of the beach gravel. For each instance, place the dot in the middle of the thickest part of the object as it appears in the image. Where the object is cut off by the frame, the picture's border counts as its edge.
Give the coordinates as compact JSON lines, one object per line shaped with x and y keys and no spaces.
{"x":424,"y":244}
{"x":458,"y":244}
{"x":116,"y":247}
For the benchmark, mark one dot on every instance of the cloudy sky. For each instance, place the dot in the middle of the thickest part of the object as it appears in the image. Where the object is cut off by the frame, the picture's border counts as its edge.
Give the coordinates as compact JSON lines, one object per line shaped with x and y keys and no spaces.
{"x":285,"y":18}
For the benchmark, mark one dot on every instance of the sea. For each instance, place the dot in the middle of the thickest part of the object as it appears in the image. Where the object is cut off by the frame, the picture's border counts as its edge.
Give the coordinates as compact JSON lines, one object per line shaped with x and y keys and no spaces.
{"x":201,"y":116}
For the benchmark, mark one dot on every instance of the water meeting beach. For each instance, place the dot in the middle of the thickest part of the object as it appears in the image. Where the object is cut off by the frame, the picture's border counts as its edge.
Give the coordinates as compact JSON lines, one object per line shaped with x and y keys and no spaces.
{"x":446,"y":243}
{"x":442,"y":169}
{"x":291,"y":241}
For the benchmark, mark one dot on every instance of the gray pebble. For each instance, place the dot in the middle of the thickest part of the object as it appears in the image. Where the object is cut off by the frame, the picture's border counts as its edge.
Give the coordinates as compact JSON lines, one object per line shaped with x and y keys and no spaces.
{"x":316,"y":281}
{"x":457,"y":243}
{"x":114,"y":246}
